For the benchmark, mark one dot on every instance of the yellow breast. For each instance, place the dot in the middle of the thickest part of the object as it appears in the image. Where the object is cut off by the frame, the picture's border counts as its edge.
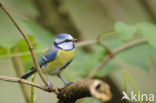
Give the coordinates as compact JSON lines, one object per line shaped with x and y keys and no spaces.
{"x":62,"y":58}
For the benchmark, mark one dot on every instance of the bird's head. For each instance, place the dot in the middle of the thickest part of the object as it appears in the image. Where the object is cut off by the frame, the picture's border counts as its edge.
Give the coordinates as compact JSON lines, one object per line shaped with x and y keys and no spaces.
{"x":64,"y":41}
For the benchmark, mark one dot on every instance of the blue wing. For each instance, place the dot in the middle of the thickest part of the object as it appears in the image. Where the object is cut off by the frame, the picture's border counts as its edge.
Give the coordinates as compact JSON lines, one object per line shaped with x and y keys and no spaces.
{"x":49,"y":56}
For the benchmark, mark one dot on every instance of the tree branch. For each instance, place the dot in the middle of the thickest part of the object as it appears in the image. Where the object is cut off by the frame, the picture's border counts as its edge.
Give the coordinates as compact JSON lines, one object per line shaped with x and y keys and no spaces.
{"x":84,"y":88}
{"x":72,"y":92}
{"x":94,"y":88}
{"x":19,"y":80}
{"x":29,"y":44}
{"x":78,"y":44}
{"x":98,"y":41}
{"x":80,"y":89}
{"x":85,"y":43}
{"x":129,"y":45}
{"x":114,"y":53}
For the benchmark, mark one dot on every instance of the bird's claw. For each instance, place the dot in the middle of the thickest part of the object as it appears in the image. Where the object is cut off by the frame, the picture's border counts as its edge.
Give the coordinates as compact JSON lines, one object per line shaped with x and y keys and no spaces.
{"x":51,"y":86}
{"x":69,"y":83}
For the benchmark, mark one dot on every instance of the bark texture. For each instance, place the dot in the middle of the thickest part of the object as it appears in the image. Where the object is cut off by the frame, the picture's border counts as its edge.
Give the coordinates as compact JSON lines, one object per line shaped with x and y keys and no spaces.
{"x":84,"y":88}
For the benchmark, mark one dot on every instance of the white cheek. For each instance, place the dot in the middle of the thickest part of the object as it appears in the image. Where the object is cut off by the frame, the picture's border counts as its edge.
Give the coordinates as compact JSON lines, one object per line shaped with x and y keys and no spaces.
{"x":66,"y":46}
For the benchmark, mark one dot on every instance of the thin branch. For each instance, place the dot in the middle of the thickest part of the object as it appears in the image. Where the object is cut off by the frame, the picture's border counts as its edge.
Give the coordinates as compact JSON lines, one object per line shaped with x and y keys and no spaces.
{"x":129,"y":45}
{"x":105,"y":45}
{"x":22,"y":54}
{"x":19,"y":80}
{"x":85,"y":43}
{"x":78,"y":44}
{"x":115,"y":52}
{"x":29,"y":44}
{"x":108,"y":49}
{"x":96,"y":41}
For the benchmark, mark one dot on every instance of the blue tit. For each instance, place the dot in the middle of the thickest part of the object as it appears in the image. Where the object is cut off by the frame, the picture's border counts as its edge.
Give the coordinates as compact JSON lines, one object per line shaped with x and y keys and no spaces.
{"x":57,"y":58}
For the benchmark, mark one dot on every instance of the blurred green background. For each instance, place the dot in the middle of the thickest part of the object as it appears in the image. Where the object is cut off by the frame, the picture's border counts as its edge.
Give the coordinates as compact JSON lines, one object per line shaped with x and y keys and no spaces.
{"x":90,"y":17}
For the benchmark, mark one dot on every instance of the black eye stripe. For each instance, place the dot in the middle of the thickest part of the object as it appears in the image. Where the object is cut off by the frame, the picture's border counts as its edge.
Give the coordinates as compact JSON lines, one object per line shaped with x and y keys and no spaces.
{"x":67,"y":40}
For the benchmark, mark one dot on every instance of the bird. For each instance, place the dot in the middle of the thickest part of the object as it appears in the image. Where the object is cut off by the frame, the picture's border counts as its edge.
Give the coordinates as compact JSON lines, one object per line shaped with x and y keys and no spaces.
{"x":57,"y":58}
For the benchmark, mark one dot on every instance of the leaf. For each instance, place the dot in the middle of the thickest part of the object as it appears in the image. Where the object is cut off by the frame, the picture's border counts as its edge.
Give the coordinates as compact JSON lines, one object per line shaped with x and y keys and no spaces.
{"x":148,"y":30}
{"x":138,"y":56}
{"x":3,"y":51}
{"x":125,"y":32}
{"x":22,"y":46}
{"x":135,"y":57}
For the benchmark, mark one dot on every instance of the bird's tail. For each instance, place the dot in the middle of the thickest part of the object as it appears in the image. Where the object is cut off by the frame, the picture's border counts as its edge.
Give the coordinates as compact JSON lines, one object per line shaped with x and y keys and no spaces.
{"x":29,"y":73}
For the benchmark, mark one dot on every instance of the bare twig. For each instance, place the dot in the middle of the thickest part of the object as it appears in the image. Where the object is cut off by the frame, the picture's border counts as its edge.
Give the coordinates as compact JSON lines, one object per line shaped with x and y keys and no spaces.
{"x":29,"y":44}
{"x":129,"y":45}
{"x":22,"y":54}
{"x":11,"y":79}
{"x":115,"y":52}
{"x":79,"y":44}
{"x":84,"y":88}
{"x":108,"y":49}
{"x":85,"y":43}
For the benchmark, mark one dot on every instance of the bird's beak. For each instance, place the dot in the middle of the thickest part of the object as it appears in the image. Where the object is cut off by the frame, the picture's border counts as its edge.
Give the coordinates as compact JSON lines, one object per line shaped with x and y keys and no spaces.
{"x":74,"y":40}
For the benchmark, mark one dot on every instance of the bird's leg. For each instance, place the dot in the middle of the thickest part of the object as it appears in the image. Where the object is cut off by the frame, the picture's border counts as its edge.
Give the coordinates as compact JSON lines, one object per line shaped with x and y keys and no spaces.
{"x":50,"y":84}
{"x":65,"y":83}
